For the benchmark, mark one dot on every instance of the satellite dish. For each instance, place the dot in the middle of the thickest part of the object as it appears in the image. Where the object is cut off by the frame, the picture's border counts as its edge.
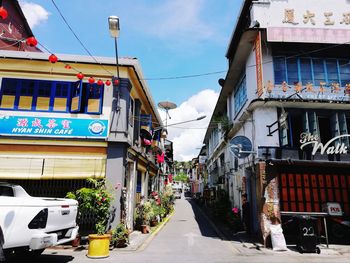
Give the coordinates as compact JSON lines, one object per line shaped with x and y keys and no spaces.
{"x":167,"y":105}
{"x":241,"y":146}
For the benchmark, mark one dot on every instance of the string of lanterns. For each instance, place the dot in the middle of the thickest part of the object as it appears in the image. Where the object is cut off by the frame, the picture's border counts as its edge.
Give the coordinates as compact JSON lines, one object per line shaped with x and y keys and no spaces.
{"x":33,"y":42}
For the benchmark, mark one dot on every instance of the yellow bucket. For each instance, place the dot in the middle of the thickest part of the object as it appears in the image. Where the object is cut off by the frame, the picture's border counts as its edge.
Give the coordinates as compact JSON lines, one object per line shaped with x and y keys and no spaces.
{"x":98,"y":246}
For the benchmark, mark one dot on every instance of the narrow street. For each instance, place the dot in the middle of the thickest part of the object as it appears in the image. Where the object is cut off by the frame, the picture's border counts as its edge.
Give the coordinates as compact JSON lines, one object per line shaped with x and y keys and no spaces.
{"x":189,"y":237}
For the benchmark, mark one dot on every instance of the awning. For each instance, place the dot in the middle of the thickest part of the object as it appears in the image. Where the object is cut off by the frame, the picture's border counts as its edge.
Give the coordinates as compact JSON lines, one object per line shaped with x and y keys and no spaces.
{"x":23,"y":167}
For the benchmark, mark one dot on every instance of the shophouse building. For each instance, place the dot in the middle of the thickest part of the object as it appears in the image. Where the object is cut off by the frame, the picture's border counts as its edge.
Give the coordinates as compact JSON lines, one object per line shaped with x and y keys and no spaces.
{"x":286,"y":94}
{"x":64,"y":121}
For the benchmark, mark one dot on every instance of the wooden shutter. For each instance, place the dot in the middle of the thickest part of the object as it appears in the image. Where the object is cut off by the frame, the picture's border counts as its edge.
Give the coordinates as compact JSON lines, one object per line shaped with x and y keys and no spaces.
{"x":76,"y":92}
{"x":94,"y":98}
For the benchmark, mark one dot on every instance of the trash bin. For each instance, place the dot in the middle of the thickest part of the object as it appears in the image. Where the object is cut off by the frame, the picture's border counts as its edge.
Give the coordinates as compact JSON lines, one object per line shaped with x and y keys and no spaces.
{"x":306,"y":234}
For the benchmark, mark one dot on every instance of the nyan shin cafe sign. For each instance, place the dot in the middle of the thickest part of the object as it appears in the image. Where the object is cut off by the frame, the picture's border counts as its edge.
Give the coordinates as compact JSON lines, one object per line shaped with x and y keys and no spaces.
{"x":333,"y":146}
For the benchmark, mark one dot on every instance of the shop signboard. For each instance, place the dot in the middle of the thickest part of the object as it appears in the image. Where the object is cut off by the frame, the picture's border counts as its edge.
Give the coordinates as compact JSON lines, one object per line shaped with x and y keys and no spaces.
{"x":53,"y":127}
{"x":333,"y":209}
{"x":333,"y":146}
{"x":315,"y":21}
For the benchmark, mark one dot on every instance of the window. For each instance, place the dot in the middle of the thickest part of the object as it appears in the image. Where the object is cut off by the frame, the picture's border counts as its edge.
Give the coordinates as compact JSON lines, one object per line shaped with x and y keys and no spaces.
{"x":280,"y":69}
{"x":305,"y":70}
{"x":325,"y":124}
{"x":311,"y":70}
{"x":332,"y":71}
{"x":240,"y":95}
{"x":55,"y":96}
{"x":319,"y":71}
{"x":292,"y":71}
{"x":94,"y":96}
{"x":9,"y":90}
{"x":344,"y":69}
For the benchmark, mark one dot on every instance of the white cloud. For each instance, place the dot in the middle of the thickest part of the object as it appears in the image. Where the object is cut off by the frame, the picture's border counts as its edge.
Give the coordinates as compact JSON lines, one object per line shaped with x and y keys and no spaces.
{"x":188,"y":137}
{"x":34,"y":13}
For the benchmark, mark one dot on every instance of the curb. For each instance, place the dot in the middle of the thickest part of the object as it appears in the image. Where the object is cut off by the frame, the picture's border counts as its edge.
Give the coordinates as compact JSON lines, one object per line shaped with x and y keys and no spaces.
{"x":144,"y":244}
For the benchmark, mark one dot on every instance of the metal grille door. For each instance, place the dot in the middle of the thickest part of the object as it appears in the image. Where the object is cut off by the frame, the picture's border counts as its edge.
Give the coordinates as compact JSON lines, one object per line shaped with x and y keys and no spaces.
{"x":302,"y":192}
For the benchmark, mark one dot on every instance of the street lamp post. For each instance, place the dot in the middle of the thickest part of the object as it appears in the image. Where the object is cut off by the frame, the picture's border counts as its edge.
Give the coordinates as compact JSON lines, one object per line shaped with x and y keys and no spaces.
{"x":197,"y":119}
{"x":114,"y":29}
{"x":176,"y":123}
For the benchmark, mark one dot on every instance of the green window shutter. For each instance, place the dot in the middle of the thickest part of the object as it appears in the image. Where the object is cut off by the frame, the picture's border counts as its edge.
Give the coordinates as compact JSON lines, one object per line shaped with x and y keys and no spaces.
{"x":335,"y":127}
{"x":306,"y":126}
{"x":284,"y":135}
{"x":313,"y":124}
{"x":343,"y":129}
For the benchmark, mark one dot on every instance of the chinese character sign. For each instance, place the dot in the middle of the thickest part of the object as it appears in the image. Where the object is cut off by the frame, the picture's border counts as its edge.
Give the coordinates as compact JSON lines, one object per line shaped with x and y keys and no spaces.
{"x":53,"y":127}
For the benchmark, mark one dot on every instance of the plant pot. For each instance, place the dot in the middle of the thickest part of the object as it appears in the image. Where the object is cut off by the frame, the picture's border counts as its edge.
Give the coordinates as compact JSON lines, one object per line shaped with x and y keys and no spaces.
{"x":98,"y":246}
{"x":144,"y":229}
{"x":120,"y":243}
{"x":154,"y":222}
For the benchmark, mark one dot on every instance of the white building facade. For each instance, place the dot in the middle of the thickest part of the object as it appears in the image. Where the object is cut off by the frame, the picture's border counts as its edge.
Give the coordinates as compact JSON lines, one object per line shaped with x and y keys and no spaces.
{"x":287,"y":92}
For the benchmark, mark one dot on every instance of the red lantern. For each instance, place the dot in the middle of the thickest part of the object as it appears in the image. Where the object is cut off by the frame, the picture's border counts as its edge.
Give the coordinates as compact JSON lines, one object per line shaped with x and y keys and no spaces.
{"x":3,"y":13}
{"x":100,"y":82}
{"x":53,"y":58}
{"x":80,"y":75}
{"x":67,"y":66}
{"x":116,"y":82}
{"x":31,"y":41}
{"x":91,"y":80}
{"x":108,"y":82}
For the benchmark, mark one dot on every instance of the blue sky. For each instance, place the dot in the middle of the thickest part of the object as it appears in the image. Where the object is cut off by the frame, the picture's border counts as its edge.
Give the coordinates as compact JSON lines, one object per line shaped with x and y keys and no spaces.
{"x":171,"y":38}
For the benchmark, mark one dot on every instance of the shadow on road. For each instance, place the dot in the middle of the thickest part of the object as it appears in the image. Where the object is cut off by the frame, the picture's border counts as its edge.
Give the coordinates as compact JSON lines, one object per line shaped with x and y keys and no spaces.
{"x":204,"y":226}
{"x":53,"y":258}
{"x":223,"y":229}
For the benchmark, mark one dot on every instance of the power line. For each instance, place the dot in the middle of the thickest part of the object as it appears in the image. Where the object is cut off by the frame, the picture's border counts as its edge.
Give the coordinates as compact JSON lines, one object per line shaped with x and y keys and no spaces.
{"x":249,"y":66}
{"x":187,"y":76}
{"x":75,"y":35}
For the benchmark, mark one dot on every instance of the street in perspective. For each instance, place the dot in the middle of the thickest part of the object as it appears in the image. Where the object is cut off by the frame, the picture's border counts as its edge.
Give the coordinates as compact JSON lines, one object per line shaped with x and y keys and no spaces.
{"x":191,"y":236}
{"x":195,"y":131}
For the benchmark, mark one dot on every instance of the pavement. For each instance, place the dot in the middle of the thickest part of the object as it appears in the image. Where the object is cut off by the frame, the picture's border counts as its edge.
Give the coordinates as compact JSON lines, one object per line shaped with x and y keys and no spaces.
{"x":248,"y":244}
{"x":240,"y":242}
{"x":137,"y":240}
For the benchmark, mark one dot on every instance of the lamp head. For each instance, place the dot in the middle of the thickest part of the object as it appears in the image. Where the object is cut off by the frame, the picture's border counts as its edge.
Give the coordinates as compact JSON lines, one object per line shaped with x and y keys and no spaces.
{"x":114,"y":27}
{"x":201,"y":117}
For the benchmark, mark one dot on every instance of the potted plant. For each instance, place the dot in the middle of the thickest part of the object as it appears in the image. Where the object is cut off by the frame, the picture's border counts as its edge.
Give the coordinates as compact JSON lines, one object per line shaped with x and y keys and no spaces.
{"x":96,"y":200}
{"x":120,"y":236}
{"x":143,"y":214}
{"x":156,"y":210}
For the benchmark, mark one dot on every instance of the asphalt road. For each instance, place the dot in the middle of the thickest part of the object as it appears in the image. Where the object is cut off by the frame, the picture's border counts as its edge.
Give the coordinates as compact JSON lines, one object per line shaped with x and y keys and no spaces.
{"x":188,"y":237}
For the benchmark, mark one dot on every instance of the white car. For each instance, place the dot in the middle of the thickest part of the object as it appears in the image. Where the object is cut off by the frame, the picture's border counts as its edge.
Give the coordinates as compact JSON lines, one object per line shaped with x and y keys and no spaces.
{"x":177,"y":194}
{"x":32,"y":224}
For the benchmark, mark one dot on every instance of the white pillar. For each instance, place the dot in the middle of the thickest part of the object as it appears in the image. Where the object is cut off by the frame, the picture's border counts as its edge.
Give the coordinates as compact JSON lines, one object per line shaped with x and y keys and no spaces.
{"x":131,"y":193}
{"x":146,"y":183}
